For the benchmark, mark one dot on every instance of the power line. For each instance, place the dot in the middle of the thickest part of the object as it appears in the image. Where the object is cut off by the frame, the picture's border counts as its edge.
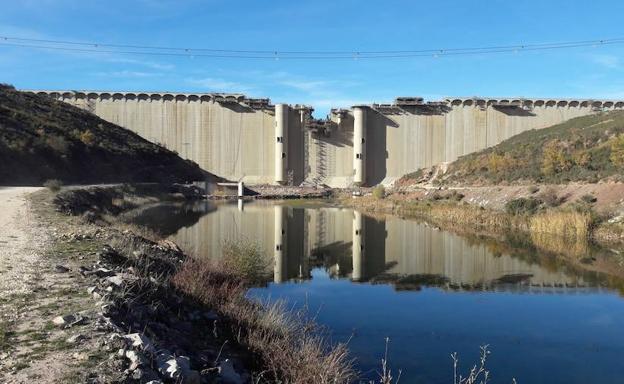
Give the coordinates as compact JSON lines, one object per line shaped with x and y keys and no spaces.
{"x":83,"y":47}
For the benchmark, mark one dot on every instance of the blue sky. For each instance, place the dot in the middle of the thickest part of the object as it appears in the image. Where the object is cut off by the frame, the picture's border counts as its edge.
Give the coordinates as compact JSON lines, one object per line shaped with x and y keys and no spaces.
{"x":590,"y":72}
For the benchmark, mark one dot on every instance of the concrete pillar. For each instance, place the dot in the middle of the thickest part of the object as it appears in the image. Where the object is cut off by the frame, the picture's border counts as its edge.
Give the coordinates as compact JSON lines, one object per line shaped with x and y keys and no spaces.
{"x":279,"y":252}
{"x":358,"y":246}
{"x":281,"y":142}
{"x":359,"y":145}
{"x":241,"y":189}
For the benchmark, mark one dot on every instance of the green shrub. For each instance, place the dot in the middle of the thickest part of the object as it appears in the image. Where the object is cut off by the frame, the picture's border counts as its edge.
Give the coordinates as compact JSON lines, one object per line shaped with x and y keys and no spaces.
{"x":246,"y":259}
{"x":522,"y":206}
{"x":53,"y":185}
{"x":379,"y":192}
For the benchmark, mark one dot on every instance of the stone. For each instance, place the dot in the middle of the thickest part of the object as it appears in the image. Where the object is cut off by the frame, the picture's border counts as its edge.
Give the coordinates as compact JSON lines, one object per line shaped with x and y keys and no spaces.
{"x":136,"y":359}
{"x":228,"y":374}
{"x":75,"y":339}
{"x":117,"y":280}
{"x":177,"y":369}
{"x":141,"y":342}
{"x":68,"y":321}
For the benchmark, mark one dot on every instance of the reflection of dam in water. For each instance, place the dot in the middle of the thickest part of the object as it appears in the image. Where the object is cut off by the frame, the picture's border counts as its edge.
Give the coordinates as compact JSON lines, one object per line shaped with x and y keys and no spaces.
{"x":348,"y":244}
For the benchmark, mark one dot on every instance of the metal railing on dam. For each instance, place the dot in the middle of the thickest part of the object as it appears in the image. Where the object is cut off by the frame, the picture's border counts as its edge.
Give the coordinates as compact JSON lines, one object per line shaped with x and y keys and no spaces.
{"x":243,"y":138}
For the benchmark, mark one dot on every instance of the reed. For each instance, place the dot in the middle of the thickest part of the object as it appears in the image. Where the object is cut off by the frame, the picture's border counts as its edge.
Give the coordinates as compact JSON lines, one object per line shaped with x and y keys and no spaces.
{"x":568,"y":224}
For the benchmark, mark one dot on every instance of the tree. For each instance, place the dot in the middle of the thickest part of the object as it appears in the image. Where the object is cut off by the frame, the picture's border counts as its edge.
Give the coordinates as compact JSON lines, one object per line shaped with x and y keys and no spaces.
{"x":554,"y":159}
{"x":617,"y":151}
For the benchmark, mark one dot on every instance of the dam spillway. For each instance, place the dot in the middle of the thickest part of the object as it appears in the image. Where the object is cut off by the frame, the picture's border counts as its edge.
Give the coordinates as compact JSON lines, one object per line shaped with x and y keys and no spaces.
{"x":241,"y":138}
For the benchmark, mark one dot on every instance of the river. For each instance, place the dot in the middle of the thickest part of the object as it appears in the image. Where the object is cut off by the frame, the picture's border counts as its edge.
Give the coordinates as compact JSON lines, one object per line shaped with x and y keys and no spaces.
{"x":430,"y":291}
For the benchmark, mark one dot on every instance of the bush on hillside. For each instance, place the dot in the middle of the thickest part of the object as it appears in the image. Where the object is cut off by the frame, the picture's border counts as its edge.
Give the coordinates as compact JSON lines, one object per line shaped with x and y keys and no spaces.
{"x":523,"y":206}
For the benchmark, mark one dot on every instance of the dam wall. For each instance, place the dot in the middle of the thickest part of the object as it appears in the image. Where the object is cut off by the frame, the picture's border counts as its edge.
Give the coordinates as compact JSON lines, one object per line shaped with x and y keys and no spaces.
{"x":246,"y":139}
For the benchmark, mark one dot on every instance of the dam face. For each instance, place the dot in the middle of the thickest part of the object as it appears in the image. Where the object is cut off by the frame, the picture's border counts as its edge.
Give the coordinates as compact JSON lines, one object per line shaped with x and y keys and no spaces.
{"x":246,"y":139}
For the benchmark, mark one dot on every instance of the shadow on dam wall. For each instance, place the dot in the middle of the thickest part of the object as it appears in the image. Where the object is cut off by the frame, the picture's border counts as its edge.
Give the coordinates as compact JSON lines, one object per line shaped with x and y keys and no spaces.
{"x":377,"y":149}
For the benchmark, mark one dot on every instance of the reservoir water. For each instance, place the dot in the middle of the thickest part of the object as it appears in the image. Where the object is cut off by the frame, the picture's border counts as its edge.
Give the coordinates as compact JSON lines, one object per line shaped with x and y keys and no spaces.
{"x":431,"y":292}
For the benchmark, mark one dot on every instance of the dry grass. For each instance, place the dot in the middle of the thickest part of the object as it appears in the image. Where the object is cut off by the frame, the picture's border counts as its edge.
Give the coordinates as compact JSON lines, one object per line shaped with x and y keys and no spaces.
{"x":567,"y":224}
{"x":464,"y":214}
{"x":292,"y":348}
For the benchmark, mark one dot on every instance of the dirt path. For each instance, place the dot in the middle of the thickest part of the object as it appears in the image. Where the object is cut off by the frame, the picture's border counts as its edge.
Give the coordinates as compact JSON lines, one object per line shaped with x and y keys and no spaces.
{"x":21,"y":240}
{"x":37,"y":284}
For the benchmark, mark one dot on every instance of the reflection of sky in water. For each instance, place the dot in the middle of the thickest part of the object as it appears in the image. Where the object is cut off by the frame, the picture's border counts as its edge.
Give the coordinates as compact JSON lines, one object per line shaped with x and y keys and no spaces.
{"x":545,"y":322}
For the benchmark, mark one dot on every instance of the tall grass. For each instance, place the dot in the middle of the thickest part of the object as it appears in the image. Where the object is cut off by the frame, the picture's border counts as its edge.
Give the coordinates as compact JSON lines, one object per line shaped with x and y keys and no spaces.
{"x":292,"y":347}
{"x":464,"y":214}
{"x":568,"y":224}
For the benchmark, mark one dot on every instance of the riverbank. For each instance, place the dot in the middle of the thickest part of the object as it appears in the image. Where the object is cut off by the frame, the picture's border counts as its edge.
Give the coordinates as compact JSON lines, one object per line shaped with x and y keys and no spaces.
{"x":581,"y":211}
{"x":122,"y":305}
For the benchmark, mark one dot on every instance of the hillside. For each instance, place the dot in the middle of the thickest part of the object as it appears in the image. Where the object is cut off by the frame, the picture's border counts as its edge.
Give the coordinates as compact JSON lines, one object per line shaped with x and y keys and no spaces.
{"x":43,"y":139}
{"x":584,"y":149}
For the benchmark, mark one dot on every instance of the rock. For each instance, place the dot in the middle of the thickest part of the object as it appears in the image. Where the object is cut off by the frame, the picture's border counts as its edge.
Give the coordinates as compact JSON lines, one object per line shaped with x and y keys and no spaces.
{"x":228,"y":374}
{"x":76,"y":339}
{"x":61,"y":269}
{"x":141,"y":342}
{"x":117,"y":280}
{"x":136,"y":359}
{"x":177,"y":369}
{"x":68,"y":321}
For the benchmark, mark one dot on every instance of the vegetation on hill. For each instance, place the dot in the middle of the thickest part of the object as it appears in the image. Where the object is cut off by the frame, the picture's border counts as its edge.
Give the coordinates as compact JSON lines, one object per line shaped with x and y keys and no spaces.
{"x":42,"y":139}
{"x":586,"y":149}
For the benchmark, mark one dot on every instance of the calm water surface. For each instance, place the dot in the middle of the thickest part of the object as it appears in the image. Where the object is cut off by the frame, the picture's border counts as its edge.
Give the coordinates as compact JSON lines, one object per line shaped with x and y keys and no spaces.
{"x":431,"y":292}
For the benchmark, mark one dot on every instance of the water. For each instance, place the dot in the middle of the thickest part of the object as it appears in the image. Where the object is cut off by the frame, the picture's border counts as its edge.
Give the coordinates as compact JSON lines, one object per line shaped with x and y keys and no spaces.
{"x":430,"y":291}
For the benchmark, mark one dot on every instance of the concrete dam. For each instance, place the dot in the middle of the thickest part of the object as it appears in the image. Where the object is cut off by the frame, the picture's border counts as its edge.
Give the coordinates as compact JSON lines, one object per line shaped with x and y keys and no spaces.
{"x":251,"y":140}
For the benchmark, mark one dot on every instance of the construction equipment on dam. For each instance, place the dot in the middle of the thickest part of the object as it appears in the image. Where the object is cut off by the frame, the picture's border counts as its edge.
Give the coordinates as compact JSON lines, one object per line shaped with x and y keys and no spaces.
{"x":253,"y":141}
